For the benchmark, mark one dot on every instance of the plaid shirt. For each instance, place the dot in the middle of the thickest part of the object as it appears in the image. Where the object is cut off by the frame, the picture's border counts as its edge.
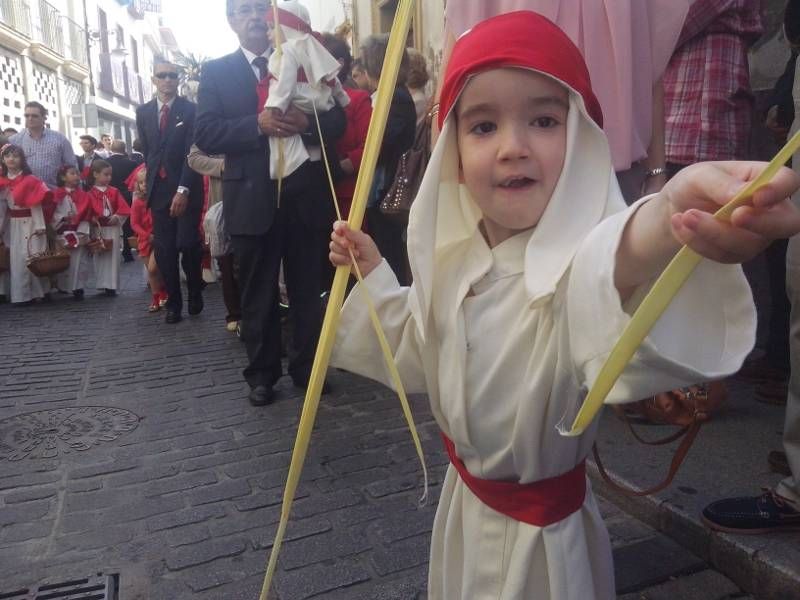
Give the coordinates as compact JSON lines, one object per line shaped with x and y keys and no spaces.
{"x":47,"y":154}
{"x":707,"y":99}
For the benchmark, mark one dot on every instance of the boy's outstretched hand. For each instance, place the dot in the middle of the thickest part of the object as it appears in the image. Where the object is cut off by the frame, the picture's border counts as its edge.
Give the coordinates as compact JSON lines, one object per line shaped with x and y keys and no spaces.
{"x":698,"y":191}
{"x":364,"y":249}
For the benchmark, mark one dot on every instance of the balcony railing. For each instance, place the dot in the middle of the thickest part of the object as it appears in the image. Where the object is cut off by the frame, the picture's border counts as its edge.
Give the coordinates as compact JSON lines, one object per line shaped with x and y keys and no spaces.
{"x":50,"y":30}
{"x":76,"y":42}
{"x":17,"y":15}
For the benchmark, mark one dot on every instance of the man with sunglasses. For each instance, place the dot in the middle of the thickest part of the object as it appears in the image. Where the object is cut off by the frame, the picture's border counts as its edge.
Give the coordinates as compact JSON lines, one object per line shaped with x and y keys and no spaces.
{"x":46,"y":150}
{"x":265,"y":229}
{"x":175,"y":193}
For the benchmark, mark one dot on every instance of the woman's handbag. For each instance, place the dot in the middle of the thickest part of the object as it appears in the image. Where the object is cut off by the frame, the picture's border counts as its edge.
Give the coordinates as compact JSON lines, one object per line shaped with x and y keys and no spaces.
{"x":410,"y":170}
{"x":688,"y":408}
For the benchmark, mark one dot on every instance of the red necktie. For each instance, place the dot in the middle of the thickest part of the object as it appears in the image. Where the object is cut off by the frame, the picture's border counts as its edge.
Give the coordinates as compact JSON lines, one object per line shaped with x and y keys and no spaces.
{"x":162,"y":124}
{"x":162,"y":127}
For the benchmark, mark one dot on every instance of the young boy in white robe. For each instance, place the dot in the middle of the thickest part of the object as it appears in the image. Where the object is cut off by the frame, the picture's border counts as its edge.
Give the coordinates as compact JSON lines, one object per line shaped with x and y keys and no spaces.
{"x":527,"y":266}
{"x":26,"y":197}
{"x":109,"y":213}
{"x":71,"y":222}
{"x":303,"y":74}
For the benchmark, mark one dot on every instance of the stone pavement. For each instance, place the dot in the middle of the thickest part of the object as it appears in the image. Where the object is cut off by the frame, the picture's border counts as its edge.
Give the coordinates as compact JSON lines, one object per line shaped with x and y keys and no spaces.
{"x":127,"y":447}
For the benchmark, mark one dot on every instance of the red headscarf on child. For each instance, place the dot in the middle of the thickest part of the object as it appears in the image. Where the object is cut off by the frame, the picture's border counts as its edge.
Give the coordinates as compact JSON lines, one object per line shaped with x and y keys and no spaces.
{"x":444,"y":218}
{"x":520,"y":39}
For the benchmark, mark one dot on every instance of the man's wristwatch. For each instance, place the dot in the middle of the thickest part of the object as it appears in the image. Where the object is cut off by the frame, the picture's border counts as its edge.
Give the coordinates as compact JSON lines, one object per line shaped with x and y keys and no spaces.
{"x":182,"y":189}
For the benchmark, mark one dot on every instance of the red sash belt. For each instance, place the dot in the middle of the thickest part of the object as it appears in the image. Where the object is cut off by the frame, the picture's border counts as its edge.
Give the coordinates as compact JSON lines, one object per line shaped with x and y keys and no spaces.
{"x":19,"y":213}
{"x":539,"y":503}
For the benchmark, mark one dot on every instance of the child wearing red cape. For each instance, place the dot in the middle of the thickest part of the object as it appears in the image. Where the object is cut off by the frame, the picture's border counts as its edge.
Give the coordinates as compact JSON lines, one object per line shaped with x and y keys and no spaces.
{"x":109,"y":212}
{"x":70,"y":221}
{"x":527,"y":266}
{"x":142,"y":224}
{"x":22,"y":212}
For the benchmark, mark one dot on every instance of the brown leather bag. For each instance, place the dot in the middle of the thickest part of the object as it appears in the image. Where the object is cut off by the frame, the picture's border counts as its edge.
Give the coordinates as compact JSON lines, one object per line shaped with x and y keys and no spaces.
{"x":408,"y":177}
{"x":688,"y":408}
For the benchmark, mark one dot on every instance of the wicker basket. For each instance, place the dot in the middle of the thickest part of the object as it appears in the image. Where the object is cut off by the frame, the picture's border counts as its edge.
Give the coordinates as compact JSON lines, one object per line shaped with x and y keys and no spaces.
{"x":5,"y":258}
{"x":100,"y":245}
{"x":52,"y":261}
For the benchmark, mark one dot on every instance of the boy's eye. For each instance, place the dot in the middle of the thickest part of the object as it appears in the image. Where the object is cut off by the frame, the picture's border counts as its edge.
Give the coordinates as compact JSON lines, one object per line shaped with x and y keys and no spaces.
{"x":545,"y":122}
{"x":484,"y":127}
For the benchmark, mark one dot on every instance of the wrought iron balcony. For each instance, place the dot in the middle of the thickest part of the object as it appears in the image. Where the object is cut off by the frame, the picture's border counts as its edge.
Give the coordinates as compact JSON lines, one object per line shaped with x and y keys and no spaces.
{"x":16,"y":14}
{"x":50,"y":31}
{"x":75,"y":42}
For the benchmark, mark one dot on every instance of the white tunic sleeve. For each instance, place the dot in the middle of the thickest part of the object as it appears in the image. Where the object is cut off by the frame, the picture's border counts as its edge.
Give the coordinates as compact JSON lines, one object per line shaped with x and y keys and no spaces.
{"x":283,"y":90}
{"x":37,"y":215}
{"x":357,"y":348}
{"x":704,"y":334}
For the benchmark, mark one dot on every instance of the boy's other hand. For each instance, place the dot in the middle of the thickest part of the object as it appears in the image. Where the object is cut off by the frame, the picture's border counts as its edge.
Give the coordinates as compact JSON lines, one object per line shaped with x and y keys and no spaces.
{"x":696,"y":192}
{"x":364,"y":249}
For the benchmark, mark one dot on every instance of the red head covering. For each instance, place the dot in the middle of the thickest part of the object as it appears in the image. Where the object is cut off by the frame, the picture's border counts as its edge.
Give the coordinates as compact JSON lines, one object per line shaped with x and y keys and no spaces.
{"x":517,"y":39}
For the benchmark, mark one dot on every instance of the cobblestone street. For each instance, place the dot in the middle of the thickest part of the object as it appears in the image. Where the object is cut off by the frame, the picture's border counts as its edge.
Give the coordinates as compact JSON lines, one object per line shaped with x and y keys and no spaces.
{"x":128,"y":447}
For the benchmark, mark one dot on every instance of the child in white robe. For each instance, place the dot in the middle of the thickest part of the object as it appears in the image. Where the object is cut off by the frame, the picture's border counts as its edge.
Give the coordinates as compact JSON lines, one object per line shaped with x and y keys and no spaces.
{"x":71,"y":222}
{"x":25,"y":198}
{"x":109,"y":213}
{"x":302,"y":74}
{"x":527,"y":266}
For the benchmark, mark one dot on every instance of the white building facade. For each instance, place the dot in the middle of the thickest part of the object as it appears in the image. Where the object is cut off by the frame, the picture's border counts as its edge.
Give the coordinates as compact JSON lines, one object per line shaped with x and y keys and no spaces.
{"x":427,"y":29}
{"x":88,"y":61}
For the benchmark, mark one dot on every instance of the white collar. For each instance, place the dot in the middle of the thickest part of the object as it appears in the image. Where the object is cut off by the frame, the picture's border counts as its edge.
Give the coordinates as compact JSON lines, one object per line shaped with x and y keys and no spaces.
{"x":160,"y":103}
{"x":102,"y":188}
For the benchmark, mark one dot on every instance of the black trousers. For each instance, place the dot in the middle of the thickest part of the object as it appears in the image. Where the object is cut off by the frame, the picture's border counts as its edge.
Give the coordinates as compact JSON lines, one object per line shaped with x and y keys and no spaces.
{"x":174,"y":239}
{"x":297,"y":237}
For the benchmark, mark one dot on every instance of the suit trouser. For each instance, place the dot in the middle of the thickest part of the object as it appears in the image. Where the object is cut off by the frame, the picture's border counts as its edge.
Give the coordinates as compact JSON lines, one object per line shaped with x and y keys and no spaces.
{"x":175,"y":238}
{"x":298,"y":239}
{"x":790,"y":487}
{"x":230,"y":287}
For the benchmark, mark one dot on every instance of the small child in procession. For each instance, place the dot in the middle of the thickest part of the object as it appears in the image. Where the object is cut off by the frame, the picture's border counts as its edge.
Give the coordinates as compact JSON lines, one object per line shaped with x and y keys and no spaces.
{"x":109,"y":212}
{"x":302,"y":74}
{"x":142,"y":224}
{"x":527,"y":266}
{"x":71,"y":221}
{"x":25,"y":200}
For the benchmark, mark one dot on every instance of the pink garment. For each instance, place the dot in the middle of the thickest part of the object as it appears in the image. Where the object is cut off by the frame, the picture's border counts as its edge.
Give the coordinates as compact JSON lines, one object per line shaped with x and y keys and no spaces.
{"x":626,"y":44}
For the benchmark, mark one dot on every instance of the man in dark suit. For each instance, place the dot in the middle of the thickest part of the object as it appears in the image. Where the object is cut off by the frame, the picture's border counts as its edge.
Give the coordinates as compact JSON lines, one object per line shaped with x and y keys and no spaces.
{"x":175,"y":192}
{"x":264,"y":231}
{"x":89,"y":146}
{"x":121,"y":169}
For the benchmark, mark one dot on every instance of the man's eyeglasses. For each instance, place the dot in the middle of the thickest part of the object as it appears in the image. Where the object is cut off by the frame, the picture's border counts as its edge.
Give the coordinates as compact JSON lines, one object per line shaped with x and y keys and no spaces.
{"x":167,"y":75}
{"x":246,"y":11}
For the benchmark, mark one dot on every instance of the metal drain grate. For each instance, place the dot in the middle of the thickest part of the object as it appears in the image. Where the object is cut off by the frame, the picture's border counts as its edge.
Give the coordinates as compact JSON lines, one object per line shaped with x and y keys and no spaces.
{"x":97,"y":587}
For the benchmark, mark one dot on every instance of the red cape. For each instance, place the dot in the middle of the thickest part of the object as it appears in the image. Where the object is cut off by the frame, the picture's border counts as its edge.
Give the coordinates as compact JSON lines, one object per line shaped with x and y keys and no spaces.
{"x":115,"y":199}
{"x":83,"y":205}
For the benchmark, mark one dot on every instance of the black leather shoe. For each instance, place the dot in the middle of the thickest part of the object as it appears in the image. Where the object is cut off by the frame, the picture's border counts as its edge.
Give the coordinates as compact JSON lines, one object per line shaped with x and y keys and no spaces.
{"x":173,"y":317}
{"x":127,"y":257}
{"x":759,"y":514}
{"x":261,"y":395}
{"x":110,"y":292}
{"x":78,"y":294}
{"x":195,"y":305}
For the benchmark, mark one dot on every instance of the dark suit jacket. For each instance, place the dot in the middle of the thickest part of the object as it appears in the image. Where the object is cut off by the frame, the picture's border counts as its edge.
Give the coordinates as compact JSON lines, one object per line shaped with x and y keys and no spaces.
{"x":227,"y":123}
{"x":401,"y":127}
{"x":121,"y":169}
{"x":170,"y":150}
{"x":82,"y":161}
